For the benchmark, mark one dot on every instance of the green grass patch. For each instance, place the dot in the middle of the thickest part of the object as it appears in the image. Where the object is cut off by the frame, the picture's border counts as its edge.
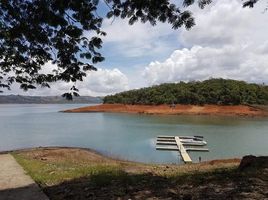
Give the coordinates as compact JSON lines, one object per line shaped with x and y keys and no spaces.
{"x":46,"y":174}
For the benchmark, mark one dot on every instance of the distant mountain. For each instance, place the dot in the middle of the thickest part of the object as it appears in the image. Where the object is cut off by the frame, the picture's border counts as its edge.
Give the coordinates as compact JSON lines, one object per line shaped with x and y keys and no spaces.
{"x":18,"y":99}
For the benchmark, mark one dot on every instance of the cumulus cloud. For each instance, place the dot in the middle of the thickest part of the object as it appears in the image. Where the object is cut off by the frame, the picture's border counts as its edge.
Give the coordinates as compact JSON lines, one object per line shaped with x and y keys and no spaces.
{"x":97,"y":83}
{"x":137,"y":40}
{"x":104,"y":81}
{"x":228,"y":41}
{"x":199,"y":63}
{"x":224,"y":22}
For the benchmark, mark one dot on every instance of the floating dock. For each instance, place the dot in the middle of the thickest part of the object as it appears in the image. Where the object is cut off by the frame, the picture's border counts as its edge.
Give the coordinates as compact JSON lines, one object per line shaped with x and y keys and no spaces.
{"x":177,"y":143}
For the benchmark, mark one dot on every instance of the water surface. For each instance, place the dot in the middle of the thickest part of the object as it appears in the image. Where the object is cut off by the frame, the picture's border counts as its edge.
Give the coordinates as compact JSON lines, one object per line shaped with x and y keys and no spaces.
{"x":128,"y":136}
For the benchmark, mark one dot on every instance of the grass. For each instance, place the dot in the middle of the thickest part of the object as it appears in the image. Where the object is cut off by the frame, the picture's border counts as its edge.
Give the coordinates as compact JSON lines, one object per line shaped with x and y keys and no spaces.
{"x":52,"y":173}
{"x":81,"y":174}
{"x":47,"y":173}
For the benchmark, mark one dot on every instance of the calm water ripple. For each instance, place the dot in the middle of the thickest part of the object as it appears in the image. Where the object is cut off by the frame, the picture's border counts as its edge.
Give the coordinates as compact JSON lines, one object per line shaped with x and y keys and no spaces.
{"x":128,"y":136}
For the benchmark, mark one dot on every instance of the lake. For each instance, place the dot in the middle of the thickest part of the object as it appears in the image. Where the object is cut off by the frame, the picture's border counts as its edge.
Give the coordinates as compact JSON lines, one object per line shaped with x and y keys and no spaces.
{"x":128,"y":136}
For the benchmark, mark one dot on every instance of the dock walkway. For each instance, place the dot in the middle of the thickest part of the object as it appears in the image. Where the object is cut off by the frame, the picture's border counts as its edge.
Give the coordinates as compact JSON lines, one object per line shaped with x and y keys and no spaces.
{"x":185,"y":156}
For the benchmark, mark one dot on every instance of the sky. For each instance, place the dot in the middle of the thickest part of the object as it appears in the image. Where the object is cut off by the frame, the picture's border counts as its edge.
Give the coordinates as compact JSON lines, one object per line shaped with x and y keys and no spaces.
{"x":228,"y":41}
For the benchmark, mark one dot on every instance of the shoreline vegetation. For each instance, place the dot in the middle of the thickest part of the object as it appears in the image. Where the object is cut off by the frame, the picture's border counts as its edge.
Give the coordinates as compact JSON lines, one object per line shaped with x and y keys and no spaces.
{"x":208,"y":92}
{"x":209,"y":97}
{"x":76,"y":173}
{"x":231,"y":110}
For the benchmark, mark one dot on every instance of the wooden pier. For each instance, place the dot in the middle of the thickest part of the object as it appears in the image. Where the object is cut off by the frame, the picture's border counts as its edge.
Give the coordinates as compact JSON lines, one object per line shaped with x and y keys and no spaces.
{"x":177,"y":143}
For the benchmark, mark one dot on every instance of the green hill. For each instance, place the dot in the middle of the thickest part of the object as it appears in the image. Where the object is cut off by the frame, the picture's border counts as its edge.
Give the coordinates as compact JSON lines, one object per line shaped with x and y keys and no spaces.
{"x":212,"y":91}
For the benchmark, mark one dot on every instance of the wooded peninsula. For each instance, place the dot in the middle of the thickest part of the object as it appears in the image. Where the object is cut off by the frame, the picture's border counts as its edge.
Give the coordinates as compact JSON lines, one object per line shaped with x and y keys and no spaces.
{"x":212,"y":91}
{"x":209,"y":97}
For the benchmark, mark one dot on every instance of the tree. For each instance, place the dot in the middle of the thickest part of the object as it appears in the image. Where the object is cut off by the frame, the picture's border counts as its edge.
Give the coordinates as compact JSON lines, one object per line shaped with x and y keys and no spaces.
{"x":34,"y":32}
{"x":250,"y":3}
{"x":212,"y":91}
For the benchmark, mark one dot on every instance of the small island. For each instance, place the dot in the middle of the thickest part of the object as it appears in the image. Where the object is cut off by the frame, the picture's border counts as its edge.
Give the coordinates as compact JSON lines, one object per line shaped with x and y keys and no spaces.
{"x":209,"y":97}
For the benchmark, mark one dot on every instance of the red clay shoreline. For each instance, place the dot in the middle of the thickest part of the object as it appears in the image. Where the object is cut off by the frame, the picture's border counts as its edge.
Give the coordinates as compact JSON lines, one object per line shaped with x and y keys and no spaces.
{"x":229,"y":110}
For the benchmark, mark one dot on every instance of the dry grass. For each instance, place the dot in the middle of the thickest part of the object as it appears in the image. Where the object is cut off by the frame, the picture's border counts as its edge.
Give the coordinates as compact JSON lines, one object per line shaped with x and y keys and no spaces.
{"x":71,"y":173}
{"x":50,"y":166}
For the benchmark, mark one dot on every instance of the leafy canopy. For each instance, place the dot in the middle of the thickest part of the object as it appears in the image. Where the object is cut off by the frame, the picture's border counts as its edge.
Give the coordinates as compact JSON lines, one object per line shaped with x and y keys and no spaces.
{"x":34,"y":32}
{"x":212,"y":91}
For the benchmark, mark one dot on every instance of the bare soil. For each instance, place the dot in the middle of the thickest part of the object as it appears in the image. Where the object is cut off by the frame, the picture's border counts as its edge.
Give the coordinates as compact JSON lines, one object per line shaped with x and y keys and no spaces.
{"x":218,"y":179}
{"x":237,"y":110}
{"x":88,"y":156}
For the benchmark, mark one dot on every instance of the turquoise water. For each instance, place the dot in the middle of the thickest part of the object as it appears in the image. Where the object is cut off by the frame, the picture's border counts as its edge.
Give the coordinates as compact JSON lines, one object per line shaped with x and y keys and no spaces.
{"x":128,"y":136}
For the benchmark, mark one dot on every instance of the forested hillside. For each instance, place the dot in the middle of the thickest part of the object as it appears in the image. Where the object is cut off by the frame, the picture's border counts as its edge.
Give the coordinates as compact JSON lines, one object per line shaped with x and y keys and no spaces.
{"x":212,"y":91}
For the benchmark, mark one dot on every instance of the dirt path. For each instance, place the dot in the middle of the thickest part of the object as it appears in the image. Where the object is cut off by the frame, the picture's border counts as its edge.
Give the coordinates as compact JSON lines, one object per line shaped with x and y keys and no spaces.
{"x":15,"y":184}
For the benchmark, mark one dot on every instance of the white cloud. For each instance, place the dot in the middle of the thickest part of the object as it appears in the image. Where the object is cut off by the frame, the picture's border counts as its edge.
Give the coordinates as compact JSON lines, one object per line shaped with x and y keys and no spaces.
{"x":219,"y":24}
{"x":97,"y":83}
{"x":199,"y":63}
{"x":228,"y":41}
{"x":104,"y":81}
{"x":137,"y":40}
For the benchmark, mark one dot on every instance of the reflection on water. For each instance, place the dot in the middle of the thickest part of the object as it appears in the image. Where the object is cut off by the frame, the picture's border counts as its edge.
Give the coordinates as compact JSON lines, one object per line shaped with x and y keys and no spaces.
{"x":128,"y":136}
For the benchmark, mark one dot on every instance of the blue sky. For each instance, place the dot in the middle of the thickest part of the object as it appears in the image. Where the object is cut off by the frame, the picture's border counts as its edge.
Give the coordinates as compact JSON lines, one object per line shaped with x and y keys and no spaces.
{"x":131,"y":58}
{"x":228,"y":41}
{"x":130,"y":62}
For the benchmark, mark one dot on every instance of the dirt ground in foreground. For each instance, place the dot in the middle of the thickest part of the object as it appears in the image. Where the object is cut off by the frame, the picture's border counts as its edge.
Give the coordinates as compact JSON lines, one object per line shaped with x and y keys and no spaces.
{"x":218,"y":179}
{"x":237,"y":110}
{"x":88,"y":156}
